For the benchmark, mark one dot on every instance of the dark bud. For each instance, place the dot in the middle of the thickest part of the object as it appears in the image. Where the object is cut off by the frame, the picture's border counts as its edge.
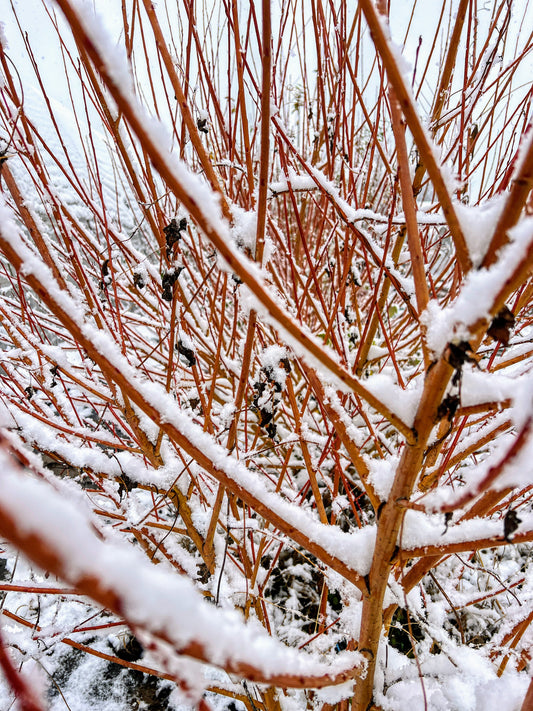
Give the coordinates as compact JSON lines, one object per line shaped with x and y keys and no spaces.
{"x":201,"y":125}
{"x":236,"y":278}
{"x":138,"y":281}
{"x":187,"y":353}
{"x":183,"y":224}
{"x":30,"y":391}
{"x":502,"y":325}
{"x":510,"y":524}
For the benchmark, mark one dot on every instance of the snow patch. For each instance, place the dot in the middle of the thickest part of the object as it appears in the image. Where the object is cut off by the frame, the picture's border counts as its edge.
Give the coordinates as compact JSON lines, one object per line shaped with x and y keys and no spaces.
{"x":478,"y":223}
{"x":403,"y":403}
{"x":474,"y":303}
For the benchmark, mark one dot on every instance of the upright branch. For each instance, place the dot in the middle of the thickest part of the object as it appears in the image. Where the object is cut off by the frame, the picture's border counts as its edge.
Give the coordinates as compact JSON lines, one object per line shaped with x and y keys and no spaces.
{"x":265,"y":336}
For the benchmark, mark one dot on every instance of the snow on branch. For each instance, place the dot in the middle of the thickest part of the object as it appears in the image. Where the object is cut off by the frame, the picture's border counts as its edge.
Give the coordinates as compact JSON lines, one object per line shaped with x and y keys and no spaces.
{"x":482,"y":293}
{"x":218,"y":362}
{"x":348,"y":553}
{"x":427,"y":534}
{"x":198,"y":199}
{"x":59,"y":539}
{"x":392,"y":61}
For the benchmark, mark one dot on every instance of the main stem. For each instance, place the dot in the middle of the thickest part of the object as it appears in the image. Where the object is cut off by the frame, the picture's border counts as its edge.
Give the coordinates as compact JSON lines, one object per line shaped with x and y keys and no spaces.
{"x":389,"y":525}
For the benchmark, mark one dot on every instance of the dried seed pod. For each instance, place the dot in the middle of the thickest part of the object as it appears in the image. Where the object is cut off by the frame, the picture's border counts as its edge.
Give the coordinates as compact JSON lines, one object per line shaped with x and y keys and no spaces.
{"x":448,"y":407}
{"x":172,"y":233}
{"x":186,"y":352}
{"x":502,"y":325}
{"x":265,"y":416}
{"x":138,"y":281}
{"x":201,"y":124}
{"x":457,"y":354}
{"x":125,"y":485}
{"x":168,"y":279}
{"x":271,"y":430}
